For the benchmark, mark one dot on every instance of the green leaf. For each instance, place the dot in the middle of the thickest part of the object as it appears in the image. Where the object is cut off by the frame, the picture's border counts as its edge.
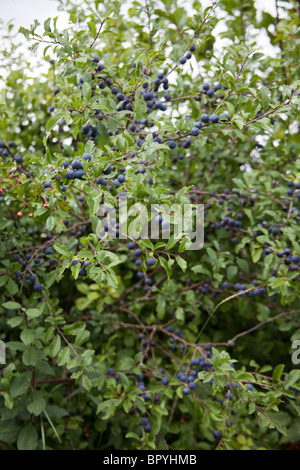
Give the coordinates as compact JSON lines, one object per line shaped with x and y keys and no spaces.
{"x":93,"y":203}
{"x":164,"y":263}
{"x":122,"y":143}
{"x":277,"y":373}
{"x":8,"y":402}
{"x":97,"y":274}
{"x":37,"y":404}
{"x":109,"y":199}
{"x":171,"y":243}
{"x":161,"y":307}
{"x":112,"y":124}
{"x":53,"y":121}
{"x":30,"y":356}
{"x":15,"y":321}
{"x":28,"y":438}
{"x":12,"y":287}
{"x":51,"y":423}
{"x":27,"y":336}
{"x":20,"y":384}
{"x":292,"y":378}
{"x":62,"y":250}
{"x":263,"y":421}
{"x":33,"y":312}
{"x":179,"y":314}
{"x":147,"y":244}
{"x":50,"y":223}
{"x":256,"y":254}
{"x":86,"y":91}
{"x":141,"y":191}
{"x":55,"y":346}
{"x":65,"y":45}
{"x":133,"y":435}
{"x":264,"y":98}
{"x":125,"y":364}
{"x":243,"y":265}
{"x":112,"y":279}
{"x":200,"y":269}
{"x":47,"y":27}
{"x":278,"y":421}
{"x":89,"y":147}
{"x":238,"y":121}
{"x":140,"y":107}
{"x":11,"y":305}
{"x":212,"y":255}
{"x":75,"y":270}
{"x":127,"y":405}
{"x":64,"y":356}
{"x":231,"y":272}
{"x":181,"y":262}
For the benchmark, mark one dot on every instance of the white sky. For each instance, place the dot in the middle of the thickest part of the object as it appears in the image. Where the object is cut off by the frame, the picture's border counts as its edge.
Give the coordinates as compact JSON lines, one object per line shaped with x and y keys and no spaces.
{"x":23,"y":12}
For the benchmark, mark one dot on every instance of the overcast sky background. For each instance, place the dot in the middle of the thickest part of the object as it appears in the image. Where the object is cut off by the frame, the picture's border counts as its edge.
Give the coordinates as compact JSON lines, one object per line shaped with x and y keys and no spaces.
{"x":23,"y":12}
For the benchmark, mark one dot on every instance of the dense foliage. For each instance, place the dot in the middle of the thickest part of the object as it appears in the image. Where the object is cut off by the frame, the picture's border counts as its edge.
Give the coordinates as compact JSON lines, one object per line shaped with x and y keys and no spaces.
{"x":143,"y":343}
